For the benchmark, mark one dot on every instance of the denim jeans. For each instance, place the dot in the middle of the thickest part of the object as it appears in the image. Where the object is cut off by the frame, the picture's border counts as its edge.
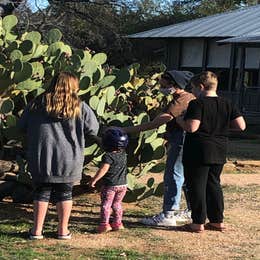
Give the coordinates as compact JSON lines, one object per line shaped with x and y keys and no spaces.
{"x":174,"y":173}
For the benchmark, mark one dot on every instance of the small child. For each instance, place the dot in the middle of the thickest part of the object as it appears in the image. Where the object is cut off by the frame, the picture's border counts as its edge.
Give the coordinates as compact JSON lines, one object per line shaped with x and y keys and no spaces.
{"x":113,"y":172}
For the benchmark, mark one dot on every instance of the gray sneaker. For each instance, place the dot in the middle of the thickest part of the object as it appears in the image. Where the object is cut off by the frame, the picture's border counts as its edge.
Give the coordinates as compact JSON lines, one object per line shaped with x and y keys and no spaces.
{"x":183,"y":216}
{"x":159,"y":220}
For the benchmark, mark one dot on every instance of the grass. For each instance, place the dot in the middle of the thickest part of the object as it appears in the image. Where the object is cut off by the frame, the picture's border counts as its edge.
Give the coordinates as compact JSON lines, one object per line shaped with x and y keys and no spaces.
{"x":30,"y":250}
{"x":130,"y":255}
{"x":25,"y":253}
{"x":121,"y":253}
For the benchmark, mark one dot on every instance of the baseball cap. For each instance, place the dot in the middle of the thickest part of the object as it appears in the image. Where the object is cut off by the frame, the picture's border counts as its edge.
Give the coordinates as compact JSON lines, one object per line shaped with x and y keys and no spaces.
{"x":182,"y":78}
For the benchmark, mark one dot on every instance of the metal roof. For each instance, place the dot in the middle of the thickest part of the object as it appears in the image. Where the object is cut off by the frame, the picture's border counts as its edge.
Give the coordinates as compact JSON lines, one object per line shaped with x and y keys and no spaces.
{"x":242,"y":39}
{"x":242,"y":21}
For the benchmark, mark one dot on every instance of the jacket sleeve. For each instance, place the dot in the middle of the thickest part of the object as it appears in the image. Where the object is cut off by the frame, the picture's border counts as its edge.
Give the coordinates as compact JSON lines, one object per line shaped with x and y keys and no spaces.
{"x":179,"y":104}
{"x":91,"y":125}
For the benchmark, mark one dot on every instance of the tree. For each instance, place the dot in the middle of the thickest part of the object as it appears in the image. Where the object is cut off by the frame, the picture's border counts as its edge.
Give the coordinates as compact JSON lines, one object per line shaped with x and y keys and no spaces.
{"x":100,"y":24}
{"x":91,"y":24}
{"x":8,"y":7}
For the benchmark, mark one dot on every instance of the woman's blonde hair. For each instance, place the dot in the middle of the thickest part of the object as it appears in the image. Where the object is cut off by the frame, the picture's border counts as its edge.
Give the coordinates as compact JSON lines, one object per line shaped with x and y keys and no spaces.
{"x":207,"y":78}
{"x":61,"y":96}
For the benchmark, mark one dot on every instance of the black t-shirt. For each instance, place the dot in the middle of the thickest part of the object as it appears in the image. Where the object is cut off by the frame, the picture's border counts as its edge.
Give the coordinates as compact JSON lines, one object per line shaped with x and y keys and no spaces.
{"x":208,"y":145}
{"x":116,"y":174}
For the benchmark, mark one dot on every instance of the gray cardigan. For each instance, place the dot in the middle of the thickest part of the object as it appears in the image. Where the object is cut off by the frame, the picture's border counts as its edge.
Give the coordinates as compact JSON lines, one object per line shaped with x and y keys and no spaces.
{"x":55,"y":146}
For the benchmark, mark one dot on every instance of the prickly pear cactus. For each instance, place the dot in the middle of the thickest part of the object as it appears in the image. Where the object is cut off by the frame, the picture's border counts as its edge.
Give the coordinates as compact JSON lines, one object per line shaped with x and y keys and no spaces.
{"x":118,"y":96}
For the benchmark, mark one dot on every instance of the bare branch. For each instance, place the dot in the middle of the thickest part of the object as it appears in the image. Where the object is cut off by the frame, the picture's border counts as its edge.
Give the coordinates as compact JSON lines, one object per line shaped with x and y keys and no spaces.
{"x":8,"y":7}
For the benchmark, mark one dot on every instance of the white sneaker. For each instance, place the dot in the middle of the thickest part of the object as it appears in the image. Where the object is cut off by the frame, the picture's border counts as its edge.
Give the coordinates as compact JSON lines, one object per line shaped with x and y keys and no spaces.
{"x":183,"y":216}
{"x":159,"y":220}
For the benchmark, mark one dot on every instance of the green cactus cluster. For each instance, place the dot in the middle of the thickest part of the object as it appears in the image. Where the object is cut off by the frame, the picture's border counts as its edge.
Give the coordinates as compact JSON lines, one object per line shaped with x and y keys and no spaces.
{"x":118,"y":96}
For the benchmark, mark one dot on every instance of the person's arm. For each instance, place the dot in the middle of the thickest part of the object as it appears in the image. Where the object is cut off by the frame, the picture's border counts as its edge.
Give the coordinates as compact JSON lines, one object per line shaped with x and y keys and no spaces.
{"x":189,"y":125}
{"x":100,"y":173}
{"x":238,"y":124}
{"x":190,"y":122}
{"x":158,"y":121}
{"x":91,"y":124}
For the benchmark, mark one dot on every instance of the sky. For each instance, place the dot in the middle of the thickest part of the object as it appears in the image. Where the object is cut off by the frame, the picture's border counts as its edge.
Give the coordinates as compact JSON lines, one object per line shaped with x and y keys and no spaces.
{"x":34,"y":3}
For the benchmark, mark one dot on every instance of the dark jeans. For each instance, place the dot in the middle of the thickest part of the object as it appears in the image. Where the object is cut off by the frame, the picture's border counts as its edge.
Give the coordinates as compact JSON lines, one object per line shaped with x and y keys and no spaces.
{"x":54,"y":192}
{"x":205,"y":192}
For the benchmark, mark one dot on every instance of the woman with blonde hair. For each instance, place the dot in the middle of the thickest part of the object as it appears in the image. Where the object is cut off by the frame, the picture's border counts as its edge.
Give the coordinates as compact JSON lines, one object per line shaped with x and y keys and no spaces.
{"x":56,"y":124}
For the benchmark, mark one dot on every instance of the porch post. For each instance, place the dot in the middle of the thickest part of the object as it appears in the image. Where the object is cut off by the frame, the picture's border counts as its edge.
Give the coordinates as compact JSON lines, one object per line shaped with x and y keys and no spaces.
{"x":241,"y":77}
{"x":205,"y":54}
{"x":232,"y":65}
{"x":258,"y":76}
{"x":180,"y":46}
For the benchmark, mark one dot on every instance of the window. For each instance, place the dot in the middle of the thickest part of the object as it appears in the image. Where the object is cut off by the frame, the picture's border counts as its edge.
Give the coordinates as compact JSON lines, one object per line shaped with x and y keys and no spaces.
{"x":251,"y":78}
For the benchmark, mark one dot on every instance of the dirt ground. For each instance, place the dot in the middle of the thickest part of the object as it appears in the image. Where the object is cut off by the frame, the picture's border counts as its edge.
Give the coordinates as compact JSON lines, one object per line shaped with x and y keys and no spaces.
{"x":241,"y":180}
{"x":240,"y":241}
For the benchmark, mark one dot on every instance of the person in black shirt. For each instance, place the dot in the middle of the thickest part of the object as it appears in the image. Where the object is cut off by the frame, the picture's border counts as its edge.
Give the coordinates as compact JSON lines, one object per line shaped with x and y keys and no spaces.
{"x":113,"y":172}
{"x":207,"y":122}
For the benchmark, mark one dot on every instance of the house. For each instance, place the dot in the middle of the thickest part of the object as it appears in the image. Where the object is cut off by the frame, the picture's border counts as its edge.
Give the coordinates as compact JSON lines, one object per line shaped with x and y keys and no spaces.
{"x":226,"y":43}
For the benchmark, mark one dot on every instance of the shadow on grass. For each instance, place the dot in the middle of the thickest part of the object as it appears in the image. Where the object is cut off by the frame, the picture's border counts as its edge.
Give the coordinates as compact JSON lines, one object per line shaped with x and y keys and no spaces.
{"x":14,"y":210}
{"x":13,"y":235}
{"x":16,"y":220}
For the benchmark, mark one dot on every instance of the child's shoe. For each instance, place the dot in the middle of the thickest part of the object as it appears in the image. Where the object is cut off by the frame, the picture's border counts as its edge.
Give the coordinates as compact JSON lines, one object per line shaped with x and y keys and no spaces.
{"x":117,"y":226}
{"x":104,"y":228}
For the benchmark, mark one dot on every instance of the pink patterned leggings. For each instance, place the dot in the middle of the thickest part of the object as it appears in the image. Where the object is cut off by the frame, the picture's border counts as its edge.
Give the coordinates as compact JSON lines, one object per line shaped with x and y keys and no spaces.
{"x":111,"y":197}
